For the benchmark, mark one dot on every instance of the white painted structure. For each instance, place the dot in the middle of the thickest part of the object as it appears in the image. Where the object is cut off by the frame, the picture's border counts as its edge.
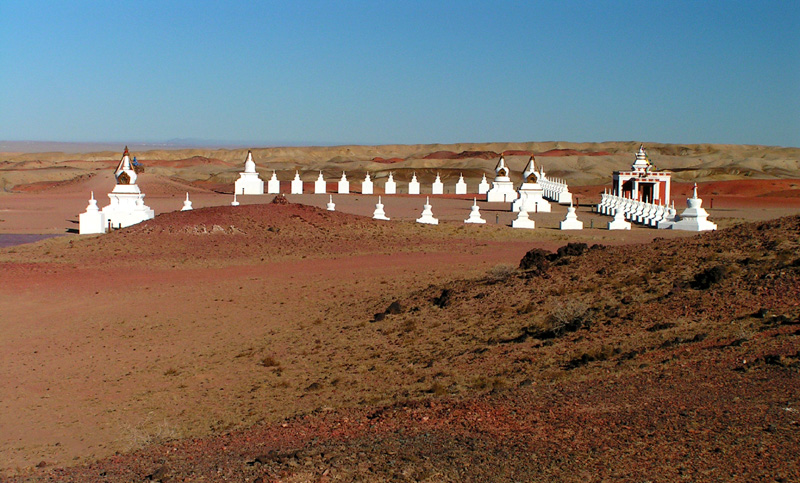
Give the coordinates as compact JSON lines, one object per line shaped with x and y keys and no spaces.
{"x":273,"y":185}
{"x":670,"y":216}
{"x":92,"y":221}
{"x":694,"y":217}
{"x":344,"y":185}
{"x":235,"y":202}
{"x":413,"y":185}
{"x":187,"y":205}
{"x":531,"y":195}
{"x":320,"y":186}
{"x":502,"y":190}
{"x":297,"y":184}
{"x":331,"y":206}
{"x":379,"y":214}
{"x":554,"y":189}
{"x":475,"y":213}
{"x":461,"y":185}
{"x":126,"y":205}
{"x":619,"y":222}
{"x":522,"y":221}
{"x":367,"y":185}
{"x":427,"y":214}
{"x":437,"y":188}
{"x":390,"y":188}
{"x":483,"y":186}
{"x":571,"y":221}
{"x":642,"y":182}
{"x":249,"y":183}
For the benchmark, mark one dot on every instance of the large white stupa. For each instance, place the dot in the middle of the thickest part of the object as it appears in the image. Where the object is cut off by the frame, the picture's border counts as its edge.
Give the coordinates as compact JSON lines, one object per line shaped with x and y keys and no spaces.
{"x":126,"y":205}
{"x":531,"y":193}
{"x":249,"y":183}
{"x":502,"y":189}
{"x":694,"y":217}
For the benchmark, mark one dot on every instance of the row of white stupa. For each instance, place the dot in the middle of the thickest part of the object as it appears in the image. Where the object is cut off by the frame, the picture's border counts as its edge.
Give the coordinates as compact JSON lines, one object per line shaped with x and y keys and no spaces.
{"x":693,"y":218}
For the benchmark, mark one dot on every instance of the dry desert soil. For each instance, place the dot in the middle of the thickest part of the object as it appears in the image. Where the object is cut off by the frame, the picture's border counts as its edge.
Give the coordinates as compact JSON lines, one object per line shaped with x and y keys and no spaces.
{"x":283,"y":342}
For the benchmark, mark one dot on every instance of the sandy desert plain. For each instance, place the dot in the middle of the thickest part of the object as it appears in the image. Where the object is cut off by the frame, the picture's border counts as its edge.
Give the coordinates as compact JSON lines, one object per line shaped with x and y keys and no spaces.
{"x":294,"y":344}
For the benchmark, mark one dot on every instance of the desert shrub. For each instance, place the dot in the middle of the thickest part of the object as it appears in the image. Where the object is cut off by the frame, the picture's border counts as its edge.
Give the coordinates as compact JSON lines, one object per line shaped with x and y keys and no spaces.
{"x":148,"y":432}
{"x":568,"y":317}
{"x":708,"y":277}
{"x":501,"y":272}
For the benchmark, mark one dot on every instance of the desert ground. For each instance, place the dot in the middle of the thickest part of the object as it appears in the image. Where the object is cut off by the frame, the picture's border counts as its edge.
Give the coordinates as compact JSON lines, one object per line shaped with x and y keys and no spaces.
{"x":283,"y":342}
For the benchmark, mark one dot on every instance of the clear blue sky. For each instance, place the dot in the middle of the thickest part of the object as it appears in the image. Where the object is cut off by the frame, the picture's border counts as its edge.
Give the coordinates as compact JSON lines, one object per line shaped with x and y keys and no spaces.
{"x":372,"y":72}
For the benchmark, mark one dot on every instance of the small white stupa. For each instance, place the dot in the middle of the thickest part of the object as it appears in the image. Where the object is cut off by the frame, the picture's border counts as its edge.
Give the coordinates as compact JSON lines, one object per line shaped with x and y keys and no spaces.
{"x":694,"y":217}
{"x":483,"y":186}
{"x":249,"y":183}
{"x":297,"y":184}
{"x":235,"y":202}
{"x":619,"y":222}
{"x":413,"y":185}
{"x":93,"y":220}
{"x":502,"y":189}
{"x":320,"y":186}
{"x":461,"y":185}
{"x":379,"y":214}
{"x":331,"y":205}
{"x":344,"y":185}
{"x":367,"y":185}
{"x":437,"y":188}
{"x":427,"y":214}
{"x":531,"y":193}
{"x":390,"y":188}
{"x":475,"y":214}
{"x":126,"y":205}
{"x":522,"y":221}
{"x":187,"y":205}
{"x":273,"y":185}
{"x":571,"y":221}
{"x":670,"y":216}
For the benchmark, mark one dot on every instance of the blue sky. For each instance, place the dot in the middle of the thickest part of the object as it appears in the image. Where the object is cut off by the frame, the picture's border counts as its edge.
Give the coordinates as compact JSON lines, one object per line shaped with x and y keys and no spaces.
{"x":404,"y":72}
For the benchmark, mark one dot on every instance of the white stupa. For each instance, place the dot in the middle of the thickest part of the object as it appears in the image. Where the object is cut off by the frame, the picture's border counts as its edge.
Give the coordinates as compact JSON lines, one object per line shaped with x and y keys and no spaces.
{"x":273,"y":185}
{"x":413,"y":185}
{"x":531,"y":193}
{"x":571,"y":221}
{"x":297,"y":184}
{"x":187,"y":205}
{"x":670,"y":217}
{"x":522,"y":221}
{"x":320,"y":186}
{"x":475,"y":213}
{"x":367,"y":186}
{"x":502,"y":189}
{"x":126,"y":205}
{"x":235,"y":202}
{"x":93,"y":220}
{"x":461,"y":185}
{"x":331,"y":206}
{"x":427,"y":214}
{"x":379,"y":214}
{"x":344,"y":185}
{"x":619,"y":222}
{"x":390,"y":188}
{"x":483,"y":186}
{"x":694,"y":217}
{"x":249,"y":183}
{"x":437,"y":188}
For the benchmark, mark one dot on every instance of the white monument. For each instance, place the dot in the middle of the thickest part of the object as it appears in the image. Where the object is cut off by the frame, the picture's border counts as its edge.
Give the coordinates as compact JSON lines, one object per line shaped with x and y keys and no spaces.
{"x":187,"y":205}
{"x":297,"y":184}
{"x":249,"y":183}
{"x":320,"y":186}
{"x":483,"y":186}
{"x":379,"y":214}
{"x":502,"y":189}
{"x":367,"y":185}
{"x":344,"y":185}
{"x":93,"y":220}
{"x":331,"y":206}
{"x":126,"y":205}
{"x":461,"y":185}
{"x":522,"y":221}
{"x":619,"y":222}
{"x":413,"y":185}
{"x":273,"y":185}
{"x":531,"y":193}
{"x":437,"y":188}
{"x":694,"y":217}
{"x":475,"y":213}
{"x":427,"y":214}
{"x":390,"y":188}
{"x":571,"y":221}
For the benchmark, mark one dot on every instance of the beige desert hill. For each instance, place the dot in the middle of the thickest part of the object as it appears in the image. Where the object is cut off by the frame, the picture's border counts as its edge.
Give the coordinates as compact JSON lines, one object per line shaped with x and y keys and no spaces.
{"x":578,"y":163}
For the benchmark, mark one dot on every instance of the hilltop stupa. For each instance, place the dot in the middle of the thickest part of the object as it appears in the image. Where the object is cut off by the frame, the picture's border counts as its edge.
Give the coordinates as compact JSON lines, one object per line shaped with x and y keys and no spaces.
{"x":126,"y":205}
{"x":249,"y":183}
{"x":531,"y":193}
{"x":502,"y":189}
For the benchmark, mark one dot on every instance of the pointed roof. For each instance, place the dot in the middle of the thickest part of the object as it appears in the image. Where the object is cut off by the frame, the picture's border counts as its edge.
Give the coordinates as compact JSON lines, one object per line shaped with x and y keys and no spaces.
{"x":249,"y":164}
{"x":641,"y":162}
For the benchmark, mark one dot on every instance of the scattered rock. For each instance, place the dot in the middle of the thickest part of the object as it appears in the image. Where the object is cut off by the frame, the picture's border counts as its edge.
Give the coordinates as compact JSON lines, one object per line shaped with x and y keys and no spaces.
{"x":280,"y":200}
